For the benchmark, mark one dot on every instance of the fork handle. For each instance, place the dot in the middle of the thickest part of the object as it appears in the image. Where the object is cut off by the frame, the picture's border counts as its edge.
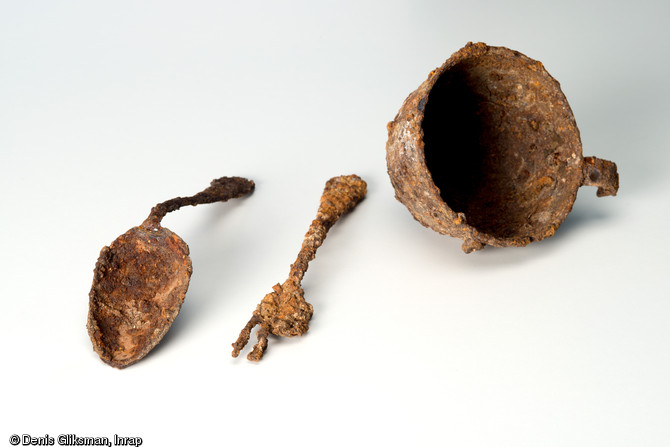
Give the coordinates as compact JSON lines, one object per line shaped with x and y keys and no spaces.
{"x":340,"y":196}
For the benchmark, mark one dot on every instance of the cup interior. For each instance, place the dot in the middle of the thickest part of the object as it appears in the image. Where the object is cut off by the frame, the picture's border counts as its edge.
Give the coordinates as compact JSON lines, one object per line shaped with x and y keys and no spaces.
{"x":501,"y":144}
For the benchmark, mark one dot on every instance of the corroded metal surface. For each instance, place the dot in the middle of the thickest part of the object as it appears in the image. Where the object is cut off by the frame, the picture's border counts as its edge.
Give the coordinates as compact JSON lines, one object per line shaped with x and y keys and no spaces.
{"x":140,"y":280}
{"x":487,"y":150}
{"x":284,"y":311}
{"x":139,"y":285}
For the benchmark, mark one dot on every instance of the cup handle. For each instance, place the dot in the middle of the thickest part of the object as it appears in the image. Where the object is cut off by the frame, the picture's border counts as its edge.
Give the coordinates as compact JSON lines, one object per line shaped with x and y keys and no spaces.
{"x":601,"y":173}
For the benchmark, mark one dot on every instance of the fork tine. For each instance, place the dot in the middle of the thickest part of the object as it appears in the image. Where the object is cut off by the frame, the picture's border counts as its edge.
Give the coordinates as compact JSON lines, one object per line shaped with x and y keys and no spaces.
{"x":245,"y":333}
{"x":259,"y":349}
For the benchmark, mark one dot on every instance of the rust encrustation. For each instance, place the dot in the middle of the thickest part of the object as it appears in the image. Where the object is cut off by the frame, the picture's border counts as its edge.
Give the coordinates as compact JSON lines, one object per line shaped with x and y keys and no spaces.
{"x":284,"y":311}
{"x":140,"y":280}
{"x":487,"y":150}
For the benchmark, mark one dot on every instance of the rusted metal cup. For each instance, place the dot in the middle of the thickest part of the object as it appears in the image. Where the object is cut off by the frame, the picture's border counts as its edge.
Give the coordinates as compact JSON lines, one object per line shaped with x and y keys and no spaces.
{"x":487,"y":150}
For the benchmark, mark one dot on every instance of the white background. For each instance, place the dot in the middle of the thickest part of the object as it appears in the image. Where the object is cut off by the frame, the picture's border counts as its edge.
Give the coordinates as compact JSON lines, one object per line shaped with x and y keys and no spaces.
{"x":107,"y":108}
